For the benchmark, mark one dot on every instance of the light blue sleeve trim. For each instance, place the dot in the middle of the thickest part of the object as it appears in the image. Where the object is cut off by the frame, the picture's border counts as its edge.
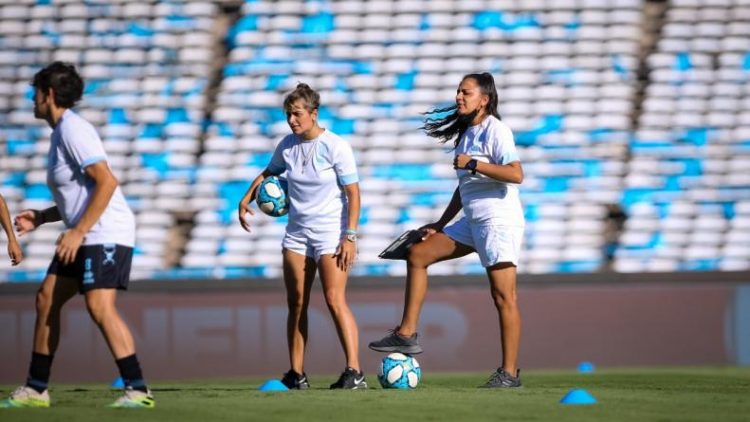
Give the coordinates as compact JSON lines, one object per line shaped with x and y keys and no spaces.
{"x":511,"y":157}
{"x":348,"y":179}
{"x":91,"y":161}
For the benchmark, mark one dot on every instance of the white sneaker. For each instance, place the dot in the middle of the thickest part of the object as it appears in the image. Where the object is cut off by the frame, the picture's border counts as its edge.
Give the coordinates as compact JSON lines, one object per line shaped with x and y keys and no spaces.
{"x":25,"y":396}
{"x":135,"y":399}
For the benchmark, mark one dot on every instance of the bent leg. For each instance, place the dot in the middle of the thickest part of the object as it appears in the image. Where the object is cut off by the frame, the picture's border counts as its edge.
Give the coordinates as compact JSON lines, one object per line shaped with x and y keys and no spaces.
{"x":334,"y":281}
{"x":502,"y":278}
{"x":299,"y":274}
{"x":101,"y":306}
{"x":436,"y":248}
{"x":52,"y":295}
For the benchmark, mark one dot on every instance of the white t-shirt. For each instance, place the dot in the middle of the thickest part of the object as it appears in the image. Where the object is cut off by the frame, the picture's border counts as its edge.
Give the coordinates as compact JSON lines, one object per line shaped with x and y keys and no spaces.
{"x":316,"y":171}
{"x":75,"y":145}
{"x":482,"y":197}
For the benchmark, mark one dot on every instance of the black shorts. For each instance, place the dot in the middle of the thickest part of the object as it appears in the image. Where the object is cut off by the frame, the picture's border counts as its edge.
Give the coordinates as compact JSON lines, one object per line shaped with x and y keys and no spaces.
{"x":97,"y":267}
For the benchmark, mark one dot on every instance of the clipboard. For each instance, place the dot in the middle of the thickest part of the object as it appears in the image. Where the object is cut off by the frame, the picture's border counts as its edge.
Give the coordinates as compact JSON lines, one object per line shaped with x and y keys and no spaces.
{"x":399,"y":247}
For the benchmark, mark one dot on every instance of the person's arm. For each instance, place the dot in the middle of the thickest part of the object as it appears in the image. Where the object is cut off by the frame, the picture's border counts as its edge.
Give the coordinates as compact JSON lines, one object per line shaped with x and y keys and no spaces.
{"x":249,"y":196}
{"x":508,"y":173}
{"x":347,"y":251}
{"x":105,"y":184}
{"x":28,"y":220}
{"x":454,"y":206}
{"x":14,"y":249}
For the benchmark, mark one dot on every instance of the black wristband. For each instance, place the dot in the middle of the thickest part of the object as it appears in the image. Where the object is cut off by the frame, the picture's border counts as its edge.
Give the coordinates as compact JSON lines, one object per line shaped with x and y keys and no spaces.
{"x":472,"y":166}
{"x":40,"y":217}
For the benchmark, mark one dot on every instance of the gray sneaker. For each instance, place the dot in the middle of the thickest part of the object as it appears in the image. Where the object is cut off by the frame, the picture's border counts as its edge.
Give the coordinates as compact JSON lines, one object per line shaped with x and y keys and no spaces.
{"x":502,"y":379}
{"x":395,"y":342}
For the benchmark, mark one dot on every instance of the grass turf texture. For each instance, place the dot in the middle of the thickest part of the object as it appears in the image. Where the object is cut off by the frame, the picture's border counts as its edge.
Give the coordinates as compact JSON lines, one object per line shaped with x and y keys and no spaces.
{"x":686,"y":394}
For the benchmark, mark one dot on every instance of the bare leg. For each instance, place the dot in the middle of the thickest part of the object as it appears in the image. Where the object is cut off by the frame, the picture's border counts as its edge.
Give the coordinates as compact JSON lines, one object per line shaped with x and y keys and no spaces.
{"x":436,"y":248}
{"x":50,"y":298}
{"x":334,"y":287}
{"x":503,"y":287}
{"x":299,"y":274}
{"x":101,"y":306}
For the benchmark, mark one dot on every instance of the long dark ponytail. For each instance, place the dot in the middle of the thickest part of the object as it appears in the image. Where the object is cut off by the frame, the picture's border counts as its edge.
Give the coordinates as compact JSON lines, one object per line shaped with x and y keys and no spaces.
{"x":452,"y":126}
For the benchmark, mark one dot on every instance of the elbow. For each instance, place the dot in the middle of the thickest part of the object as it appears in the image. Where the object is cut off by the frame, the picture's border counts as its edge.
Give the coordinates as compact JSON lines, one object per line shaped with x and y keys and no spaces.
{"x":518,"y":179}
{"x":110,"y":184}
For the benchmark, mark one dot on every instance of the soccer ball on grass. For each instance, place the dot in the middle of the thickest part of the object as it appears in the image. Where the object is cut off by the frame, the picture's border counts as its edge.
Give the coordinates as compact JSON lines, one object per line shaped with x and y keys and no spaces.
{"x":399,"y":371}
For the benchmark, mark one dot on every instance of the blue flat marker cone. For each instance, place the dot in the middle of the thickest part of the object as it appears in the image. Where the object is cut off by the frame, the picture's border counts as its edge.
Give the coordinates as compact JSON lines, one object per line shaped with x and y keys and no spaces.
{"x":578,"y":396}
{"x":273,"y":385}
{"x":586,"y":367}
{"x":118,"y":383}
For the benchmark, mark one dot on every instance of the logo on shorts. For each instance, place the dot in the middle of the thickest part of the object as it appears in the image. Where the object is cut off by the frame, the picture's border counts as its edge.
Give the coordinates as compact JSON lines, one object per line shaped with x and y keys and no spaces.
{"x":109,"y":255}
{"x":88,"y":275}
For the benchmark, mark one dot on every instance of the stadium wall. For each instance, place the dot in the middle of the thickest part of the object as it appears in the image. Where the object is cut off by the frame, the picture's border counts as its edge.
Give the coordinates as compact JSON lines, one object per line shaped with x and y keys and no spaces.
{"x":223,"y":329}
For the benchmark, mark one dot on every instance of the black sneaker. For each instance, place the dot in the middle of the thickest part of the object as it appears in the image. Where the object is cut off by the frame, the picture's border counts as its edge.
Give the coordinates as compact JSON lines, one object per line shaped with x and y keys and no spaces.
{"x":502,"y":379}
{"x":350,"y":379}
{"x":295,"y":381}
{"x":395,"y":342}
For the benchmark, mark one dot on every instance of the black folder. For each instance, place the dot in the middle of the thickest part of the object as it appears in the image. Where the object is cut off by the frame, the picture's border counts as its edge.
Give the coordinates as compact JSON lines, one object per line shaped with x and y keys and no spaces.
{"x":399,"y":247}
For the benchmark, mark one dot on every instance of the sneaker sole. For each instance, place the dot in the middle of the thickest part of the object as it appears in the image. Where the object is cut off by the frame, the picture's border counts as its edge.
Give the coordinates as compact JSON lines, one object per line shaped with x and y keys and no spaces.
{"x":407,"y":350}
{"x":23,"y":405}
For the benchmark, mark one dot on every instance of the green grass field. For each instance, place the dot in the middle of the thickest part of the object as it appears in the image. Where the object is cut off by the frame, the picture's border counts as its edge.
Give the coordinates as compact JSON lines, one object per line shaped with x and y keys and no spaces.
{"x":685,"y":394}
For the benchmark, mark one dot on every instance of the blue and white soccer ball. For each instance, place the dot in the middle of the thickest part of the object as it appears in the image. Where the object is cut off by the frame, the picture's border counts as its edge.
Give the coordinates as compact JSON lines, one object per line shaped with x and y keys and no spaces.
{"x":399,"y":371}
{"x":272,"y":196}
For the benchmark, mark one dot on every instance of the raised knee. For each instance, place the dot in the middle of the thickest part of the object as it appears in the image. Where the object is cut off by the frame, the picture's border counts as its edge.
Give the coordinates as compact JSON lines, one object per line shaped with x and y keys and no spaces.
{"x":504,"y":300}
{"x":418,"y":255}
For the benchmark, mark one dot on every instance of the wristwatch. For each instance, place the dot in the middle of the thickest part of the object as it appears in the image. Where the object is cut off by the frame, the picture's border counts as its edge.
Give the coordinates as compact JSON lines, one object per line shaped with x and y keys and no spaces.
{"x":351,"y":235}
{"x":472,"y":166}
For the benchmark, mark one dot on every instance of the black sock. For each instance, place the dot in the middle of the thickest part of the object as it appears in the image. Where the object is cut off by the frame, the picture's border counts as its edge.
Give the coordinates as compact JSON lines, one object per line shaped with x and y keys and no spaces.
{"x":130,"y":371}
{"x":39,"y":370}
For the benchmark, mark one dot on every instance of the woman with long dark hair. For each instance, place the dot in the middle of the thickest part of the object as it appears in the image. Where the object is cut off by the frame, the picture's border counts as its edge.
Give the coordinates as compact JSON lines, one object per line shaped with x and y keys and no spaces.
{"x":489,"y":172}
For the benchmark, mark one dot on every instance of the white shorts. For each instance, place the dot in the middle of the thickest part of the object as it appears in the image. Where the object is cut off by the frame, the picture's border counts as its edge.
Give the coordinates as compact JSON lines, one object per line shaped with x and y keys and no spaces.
{"x":312,"y":243}
{"x":494,"y":243}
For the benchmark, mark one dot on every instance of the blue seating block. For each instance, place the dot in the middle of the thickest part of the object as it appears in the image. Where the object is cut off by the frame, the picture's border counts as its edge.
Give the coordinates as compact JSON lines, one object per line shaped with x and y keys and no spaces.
{"x":711,"y":264}
{"x":405,"y":81}
{"x":14,"y":179}
{"x":156,"y":161}
{"x":20,"y":147}
{"x":151,"y":130}
{"x":177,"y":115}
{"x":247,"y":23}
{"x":276,"y":80}
{"x":579,"y":266}
{"x":402,"y":172}
{"x":682,"y":62}
{"x":343,"y":126}
{"x":556,"y":184}
{"x":38,"y":191}
{"x":117,"y":116}
{"x":321,"y":23}
{"x":140,"y":30}
{"x":507,"y":22}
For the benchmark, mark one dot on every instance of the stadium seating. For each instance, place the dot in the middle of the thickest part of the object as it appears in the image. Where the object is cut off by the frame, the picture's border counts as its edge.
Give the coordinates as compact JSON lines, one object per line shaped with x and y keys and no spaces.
{"x":187,"y":97}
